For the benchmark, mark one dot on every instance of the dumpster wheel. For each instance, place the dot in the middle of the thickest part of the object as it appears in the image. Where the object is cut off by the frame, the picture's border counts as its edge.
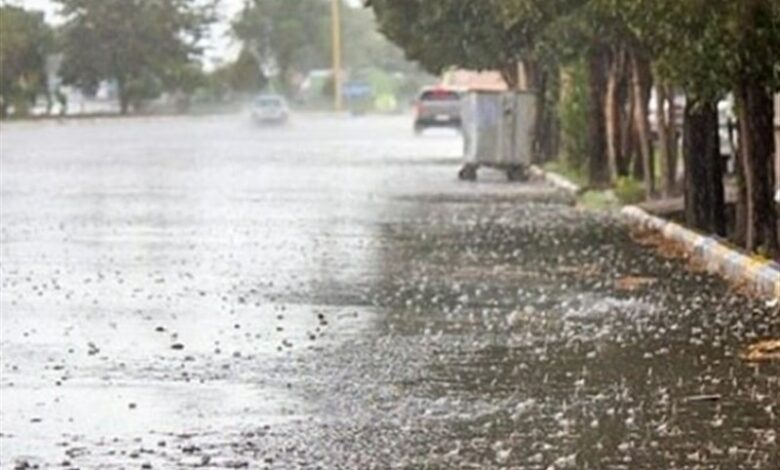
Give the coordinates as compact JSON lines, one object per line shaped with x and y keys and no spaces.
{"x":468,"y":172}
{"x":516,"y":173}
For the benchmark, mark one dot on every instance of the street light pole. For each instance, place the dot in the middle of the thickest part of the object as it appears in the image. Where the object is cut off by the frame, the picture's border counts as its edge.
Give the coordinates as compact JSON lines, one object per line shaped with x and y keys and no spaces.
{"x":336,"y":36}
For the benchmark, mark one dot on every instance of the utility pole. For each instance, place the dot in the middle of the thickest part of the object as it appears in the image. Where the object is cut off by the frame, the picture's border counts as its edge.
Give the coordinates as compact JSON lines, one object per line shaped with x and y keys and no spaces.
{"x":336,"y":36}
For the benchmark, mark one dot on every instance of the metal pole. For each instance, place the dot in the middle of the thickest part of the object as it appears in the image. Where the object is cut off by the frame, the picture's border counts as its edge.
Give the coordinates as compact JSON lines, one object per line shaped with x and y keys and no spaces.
{"x":336,"y":36}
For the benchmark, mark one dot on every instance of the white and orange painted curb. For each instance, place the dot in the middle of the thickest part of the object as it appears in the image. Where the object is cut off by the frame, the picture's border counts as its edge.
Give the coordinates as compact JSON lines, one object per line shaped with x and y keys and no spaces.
{"x":758,"y":274}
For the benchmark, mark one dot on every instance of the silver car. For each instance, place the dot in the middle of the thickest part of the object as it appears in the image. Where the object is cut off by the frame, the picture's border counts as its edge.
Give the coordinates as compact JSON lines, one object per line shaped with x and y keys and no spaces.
{"x":270,"y":109}
{"x":437,"y":107}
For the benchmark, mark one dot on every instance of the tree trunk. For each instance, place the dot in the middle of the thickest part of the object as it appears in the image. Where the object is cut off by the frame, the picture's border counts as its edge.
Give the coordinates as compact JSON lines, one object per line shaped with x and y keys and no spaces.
{"x":673,"y":137}
{"x":777,"y":159}
{"x":756,"y":136}
{"x":124,"y":99}
{"x":637,"y":163}
{"x":739,"y":237}
{"x":527,"y":74}
{"x":705,"y":207}
{"x":627,"y":133}
{"x":510,"y":75}
{"x":49,"y":101}
{"x":542,"y":121}
{"x":612,"y":115}
{"x":640,"y":80}
{"x":551,"y":139}
{"x":715,"y":172}
{"x":284,"y":68}
{"x":666,"y":138}
{"x":598,"y":164}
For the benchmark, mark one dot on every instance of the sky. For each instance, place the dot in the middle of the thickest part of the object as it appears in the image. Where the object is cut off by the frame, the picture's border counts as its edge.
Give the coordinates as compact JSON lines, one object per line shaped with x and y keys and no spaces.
{"x":229,"y":7}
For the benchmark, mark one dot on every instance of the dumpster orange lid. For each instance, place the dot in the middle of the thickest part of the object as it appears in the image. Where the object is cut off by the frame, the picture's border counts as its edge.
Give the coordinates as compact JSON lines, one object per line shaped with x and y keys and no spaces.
{"x":488,"y":80}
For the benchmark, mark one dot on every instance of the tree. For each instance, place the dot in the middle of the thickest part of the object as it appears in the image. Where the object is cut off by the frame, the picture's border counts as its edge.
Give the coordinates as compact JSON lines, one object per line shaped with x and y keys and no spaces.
{"x":710,"y":49}
{"x":138,"y":44}
{"x":183,"y":81}
{"x":707,"y":48}
{"x":246,"y":74}
{"x":26,"y":42}
{"x":598,"y":165}
{"x":365,"y":47}
{"x":291,"y":37}
{"x":487,"y":35}
{"x":756,"y":77}
{"x":619,"y":69}
{"x":704,"y":194}
{"x":286,"y":36}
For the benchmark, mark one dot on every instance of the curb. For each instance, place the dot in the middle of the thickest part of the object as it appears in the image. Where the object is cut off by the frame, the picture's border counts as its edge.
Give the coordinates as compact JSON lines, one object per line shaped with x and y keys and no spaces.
{"x":554,"y":179}
{"x":761,"y":276}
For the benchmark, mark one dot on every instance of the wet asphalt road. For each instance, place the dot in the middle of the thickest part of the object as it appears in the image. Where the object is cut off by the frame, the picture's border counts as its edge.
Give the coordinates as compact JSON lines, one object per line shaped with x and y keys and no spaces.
{"x":185,"y":293}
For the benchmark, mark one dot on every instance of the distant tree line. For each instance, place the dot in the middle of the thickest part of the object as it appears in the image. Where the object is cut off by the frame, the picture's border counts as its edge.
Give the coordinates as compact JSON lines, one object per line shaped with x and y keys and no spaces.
{"x":145,"y":48}
{"x":25,"y":41}
{"x":604,"y":57}
{"x":289,"y":37}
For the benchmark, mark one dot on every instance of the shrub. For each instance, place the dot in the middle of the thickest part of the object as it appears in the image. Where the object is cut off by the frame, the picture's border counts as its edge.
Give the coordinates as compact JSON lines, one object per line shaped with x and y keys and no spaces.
{"x":629,"y":190}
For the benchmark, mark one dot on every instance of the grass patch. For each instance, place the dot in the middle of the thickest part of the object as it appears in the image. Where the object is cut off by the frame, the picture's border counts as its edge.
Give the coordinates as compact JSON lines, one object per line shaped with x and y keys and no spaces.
{"x":629,"y":191}
{"x":572,"y":174}
{"x":625,"y":191}
{"x":599,"y":200}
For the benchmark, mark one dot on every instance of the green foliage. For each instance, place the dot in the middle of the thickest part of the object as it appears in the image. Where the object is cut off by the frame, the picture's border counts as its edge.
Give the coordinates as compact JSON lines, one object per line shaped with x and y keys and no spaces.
{"x":599,"y":200}
{"x":25,"y":42}
{"x":364,"y":47}
{"x":287,"y":36}
{"x":381,"y":82}
{"x":446,"y":33}
{"x":562,"y":29}
{"x":240,"y":77}
{"x":705,"y":47}
{"x":187,"y":77}
{"x":629,"y":191}
{"x":573,"y":116}
{"x":575,"y":175}
{"x":293,"y":37}
{"x":141,"y":45}
{"x":245,"y":74}
{"x":142,"y":87}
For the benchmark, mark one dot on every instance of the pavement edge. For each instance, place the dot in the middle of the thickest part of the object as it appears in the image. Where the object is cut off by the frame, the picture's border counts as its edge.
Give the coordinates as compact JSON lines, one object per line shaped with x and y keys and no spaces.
{"x":759,"y":275}
{"x":554,"y":179}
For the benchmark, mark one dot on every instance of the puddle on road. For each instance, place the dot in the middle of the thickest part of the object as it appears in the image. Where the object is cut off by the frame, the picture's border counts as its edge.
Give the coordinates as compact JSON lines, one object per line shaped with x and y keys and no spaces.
{"x":39,"y":422}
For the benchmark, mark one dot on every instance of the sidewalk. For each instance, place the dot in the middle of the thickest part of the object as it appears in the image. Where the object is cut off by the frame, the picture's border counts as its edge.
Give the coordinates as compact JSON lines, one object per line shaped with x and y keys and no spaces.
{"x":758,"y":275}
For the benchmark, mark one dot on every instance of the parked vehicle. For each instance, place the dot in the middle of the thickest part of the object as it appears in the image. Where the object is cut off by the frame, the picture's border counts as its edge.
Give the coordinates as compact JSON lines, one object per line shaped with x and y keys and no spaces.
{"x":437,"y":107}
{"x":358,"y":96}
{"x":270,"y":109}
